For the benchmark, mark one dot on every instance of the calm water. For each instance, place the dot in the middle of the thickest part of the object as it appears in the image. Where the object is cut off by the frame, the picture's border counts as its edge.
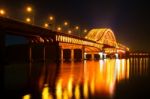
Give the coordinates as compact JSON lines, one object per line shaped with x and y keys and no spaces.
{"x":103,"y":79}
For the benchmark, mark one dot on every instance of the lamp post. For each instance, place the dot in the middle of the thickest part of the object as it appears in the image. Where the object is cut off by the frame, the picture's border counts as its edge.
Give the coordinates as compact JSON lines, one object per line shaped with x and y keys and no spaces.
{"x":59,"y":29}
{"x":65,"y":26}
{"x":85,"y":31}
{"x":77,"y":30}
{"x":69,"y":31}
{"x":28,"y":20}
{"x":46,"y":25}
{"x":52,"y":22}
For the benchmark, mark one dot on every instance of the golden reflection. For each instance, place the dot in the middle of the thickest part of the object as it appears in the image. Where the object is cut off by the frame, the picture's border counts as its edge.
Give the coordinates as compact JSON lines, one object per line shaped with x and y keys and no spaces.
{"x":45,"y":93}
{"x":70,"y":87}
{"x":97,"y":77}
{"x":26,"y":96}
{"x":138,"y":66}
{"x":77,"y":92}
{"x":85,"y":89}
{"x":77,"y":80}
{"x":59,"y":89}
{"x":128,"y":67}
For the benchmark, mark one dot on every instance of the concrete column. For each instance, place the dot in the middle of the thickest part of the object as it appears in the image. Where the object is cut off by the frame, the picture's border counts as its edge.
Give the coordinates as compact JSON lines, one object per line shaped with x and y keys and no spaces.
{"x":83,"y":50}
{"x":72,"y":54}
{"x":2,"y":47}
{"x":62,"y":54}
{"x":92,"y":56}
{"x":44,"y":53}
{"x":2,"y":61}
{"x":30,"y":51}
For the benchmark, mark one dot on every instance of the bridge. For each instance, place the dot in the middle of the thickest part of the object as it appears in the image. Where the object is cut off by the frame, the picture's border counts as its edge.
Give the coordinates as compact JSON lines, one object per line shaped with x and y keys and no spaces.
{"x":97,"y":41}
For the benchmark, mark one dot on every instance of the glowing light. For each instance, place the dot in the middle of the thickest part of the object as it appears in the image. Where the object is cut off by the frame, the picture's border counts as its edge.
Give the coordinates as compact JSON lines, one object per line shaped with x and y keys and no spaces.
{"x":46,"y":25}
{"x":116,"y":55}
{"x":69,"y":31}
{"x":2,"y":12}
{"x":65,"y":23}
{"x":101,"y":55}
{"x":77,"y":27}
{"x":51,"y":18}
{"x":29,"y":9}
{"x":28,"y":20}
{"x":122,"y":51}
{"x":59,"y":29}
{"x":85,"y":30}
{"x":105,"y":55}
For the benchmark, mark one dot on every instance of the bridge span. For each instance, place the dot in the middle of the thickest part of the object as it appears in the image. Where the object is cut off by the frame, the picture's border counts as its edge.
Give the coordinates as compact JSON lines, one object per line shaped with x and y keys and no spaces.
{"x":54,"y":43}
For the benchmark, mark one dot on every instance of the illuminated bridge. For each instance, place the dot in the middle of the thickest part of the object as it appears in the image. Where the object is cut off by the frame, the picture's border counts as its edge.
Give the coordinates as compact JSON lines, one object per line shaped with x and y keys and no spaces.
{"x":60,"y":45}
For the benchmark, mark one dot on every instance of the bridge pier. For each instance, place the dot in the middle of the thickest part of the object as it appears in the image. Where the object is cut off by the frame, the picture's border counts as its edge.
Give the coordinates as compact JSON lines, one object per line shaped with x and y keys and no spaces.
{"x":92,"y":56}
{"x":62,"y":54}
{"x":2,"y":60}
{"x":30,"y":51}
{"x":72,"y":54}
{"x":83,"y":53}
{"x":2,"y":48}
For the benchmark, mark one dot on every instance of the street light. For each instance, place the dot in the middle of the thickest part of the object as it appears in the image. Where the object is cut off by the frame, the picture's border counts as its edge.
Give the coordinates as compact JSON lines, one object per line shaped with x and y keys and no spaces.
{"x":77,"y":27}
{"x":51,"y":18}
{"x":28,"y":20}
{"x":65,"y":23}
{"x":69,"y":31}
{"x":85,"y":30}
{"x":59,"y":29}
{"x":46,"y":25}
{"x":30,"y":11}
{"x":52,"y":22}
{"x":65,"y":27}
{"x":2,"y":12}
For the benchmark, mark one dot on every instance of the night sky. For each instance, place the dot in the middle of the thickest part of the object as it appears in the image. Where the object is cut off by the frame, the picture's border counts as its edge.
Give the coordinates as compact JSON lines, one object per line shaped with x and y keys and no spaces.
{"x":129,"y":19}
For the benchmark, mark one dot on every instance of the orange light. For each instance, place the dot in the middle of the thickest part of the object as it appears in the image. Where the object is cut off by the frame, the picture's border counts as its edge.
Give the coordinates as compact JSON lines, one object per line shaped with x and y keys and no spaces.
{"x":51,"y":18}
{"x":69,"y":31}
{"x":29,"y":9}
{"x":2,"y":12}
{"x":77,"y":27}
{"x":65,"y":23}
{"x":46,"y":25}
{"x":85,"y":30}
{"x":59,"y":29}
{"x":28,"y":20}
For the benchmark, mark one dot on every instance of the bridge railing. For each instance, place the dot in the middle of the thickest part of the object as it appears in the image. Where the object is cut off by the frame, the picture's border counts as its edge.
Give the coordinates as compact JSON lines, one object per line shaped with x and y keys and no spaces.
{"x":66,"y":38}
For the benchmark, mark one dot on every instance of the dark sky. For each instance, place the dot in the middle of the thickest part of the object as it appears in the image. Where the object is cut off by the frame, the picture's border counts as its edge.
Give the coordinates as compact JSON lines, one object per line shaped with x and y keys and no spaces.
{"x":129,"y":19}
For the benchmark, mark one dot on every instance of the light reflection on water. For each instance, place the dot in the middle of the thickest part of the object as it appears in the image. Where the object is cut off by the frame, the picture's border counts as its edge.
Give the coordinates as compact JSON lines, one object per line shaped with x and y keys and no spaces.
{"x":89,"y":78}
